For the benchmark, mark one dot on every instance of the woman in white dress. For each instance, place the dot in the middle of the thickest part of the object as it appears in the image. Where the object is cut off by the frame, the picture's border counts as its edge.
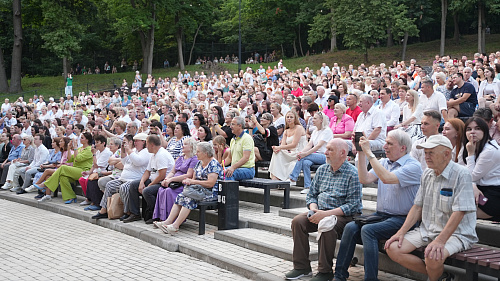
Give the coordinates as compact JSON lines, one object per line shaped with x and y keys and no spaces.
{"x":285,"y":155}
{"x":412,"y":115}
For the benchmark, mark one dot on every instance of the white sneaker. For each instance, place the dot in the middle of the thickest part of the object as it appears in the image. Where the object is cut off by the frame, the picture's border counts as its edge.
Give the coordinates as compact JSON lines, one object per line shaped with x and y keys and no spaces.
{"x":304,"y":191}
{"x":4,"y":187}
{"x":15,"y":189}
{"x":7,"y":185}
{"x":85,"y":203}
{"x":32,"y":188}
{"x":45,"y":198}
{"x":292,"y":183}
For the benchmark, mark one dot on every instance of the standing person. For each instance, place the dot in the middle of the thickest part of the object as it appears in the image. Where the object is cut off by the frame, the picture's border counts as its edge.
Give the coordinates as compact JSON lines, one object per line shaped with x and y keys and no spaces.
{"x":397,"y":176}
{"x":241,"y":155}
{"x":69,"y":86}
{"x":335,"y":193}
{"x":445,"y":206}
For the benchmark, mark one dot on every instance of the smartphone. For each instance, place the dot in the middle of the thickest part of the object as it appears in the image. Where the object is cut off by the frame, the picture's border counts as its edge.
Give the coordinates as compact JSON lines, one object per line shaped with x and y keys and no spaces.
{"x":482,"y":200}
{"x":357,"y":137}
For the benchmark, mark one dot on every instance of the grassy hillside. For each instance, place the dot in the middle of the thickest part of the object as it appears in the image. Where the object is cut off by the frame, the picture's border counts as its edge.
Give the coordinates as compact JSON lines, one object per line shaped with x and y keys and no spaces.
{"x":423,"y":52}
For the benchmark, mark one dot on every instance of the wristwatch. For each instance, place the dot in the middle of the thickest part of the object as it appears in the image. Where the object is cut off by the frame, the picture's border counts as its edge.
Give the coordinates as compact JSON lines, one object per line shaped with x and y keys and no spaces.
{"x":371,"y":156}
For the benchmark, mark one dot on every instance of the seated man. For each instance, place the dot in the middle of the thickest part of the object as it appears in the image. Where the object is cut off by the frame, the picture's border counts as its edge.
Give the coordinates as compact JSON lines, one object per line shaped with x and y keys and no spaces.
{"x":445,"y":206}
{"x":160,"y":164}
{"x":335,"y":190}
{"x":398,"y":176}
{"x":241,"y":153}
{"x":463,"y":98}
{"x":26,"y":173}
{"x":371,"y":122}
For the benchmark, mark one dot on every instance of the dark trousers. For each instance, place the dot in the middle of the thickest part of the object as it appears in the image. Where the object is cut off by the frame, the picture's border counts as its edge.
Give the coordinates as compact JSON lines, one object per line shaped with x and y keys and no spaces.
{"x":149,"y":194}
{"x":94,"y":193}
{"x":5,"y":170}
{"x":301,"y":227}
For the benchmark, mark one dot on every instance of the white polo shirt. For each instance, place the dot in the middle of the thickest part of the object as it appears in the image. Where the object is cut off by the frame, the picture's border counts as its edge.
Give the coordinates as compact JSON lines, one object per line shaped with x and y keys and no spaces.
{"x":374,"y":118}
{"x":392,"y":113}
{"x":436,"y":102}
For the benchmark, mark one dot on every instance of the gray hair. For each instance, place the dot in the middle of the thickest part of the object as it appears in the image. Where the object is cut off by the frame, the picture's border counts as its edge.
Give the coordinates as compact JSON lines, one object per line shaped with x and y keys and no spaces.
{"x":441,"y":75}
{"x":240,"y":121}
{"x":366,"y":97}
{"x":402,"y":138}
{"x":116,"y":141}
{"x":307,"y":99}
{"x":192,"y":143}
{"x":206,"y":148}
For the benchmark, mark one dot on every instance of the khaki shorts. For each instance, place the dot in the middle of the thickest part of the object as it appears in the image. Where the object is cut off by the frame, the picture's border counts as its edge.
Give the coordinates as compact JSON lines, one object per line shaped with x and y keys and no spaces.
{"x":453,"y":245}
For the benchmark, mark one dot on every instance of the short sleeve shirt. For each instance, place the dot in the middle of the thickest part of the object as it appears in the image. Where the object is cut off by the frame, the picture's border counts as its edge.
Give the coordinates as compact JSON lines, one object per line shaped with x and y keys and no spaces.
{"x":240,"y":144}
{"x":159,"y":161}
{"x":467,"y":88}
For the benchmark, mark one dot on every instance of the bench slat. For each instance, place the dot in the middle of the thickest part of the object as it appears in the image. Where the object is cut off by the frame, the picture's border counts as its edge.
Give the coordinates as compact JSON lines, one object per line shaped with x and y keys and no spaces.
{"x":462,"y":256}
{"x":481,"y":255}
{"x":495,"y":265}
{"x":488,"y":261}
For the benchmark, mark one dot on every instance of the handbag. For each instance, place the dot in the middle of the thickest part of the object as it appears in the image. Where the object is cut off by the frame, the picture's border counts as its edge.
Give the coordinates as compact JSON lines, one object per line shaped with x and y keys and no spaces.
{"x":196,"y":192}
{"x":175,"y":185}
{"x":115,"y":207}
{"x":368,"y":219}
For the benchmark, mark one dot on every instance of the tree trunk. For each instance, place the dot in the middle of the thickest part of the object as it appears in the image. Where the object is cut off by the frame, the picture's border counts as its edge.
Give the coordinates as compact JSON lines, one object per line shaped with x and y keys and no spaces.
{"x":480,"y":15}
{"x":333,"y":39}
{"x":4,"y":85}
{"x":456,"y":32}
{"x":17,"y":49}
{"x":65,"y":68}
{"x":444,"y":12}
{"x":405,"y":42}
{"x":300,"y":44}
{"x":366,"y":54}
{"x":178,"y":37}
{"x":147,"y":44}
{"x":295,"y":54}
{"x":390,"y":42}
{"x":194,"y":41}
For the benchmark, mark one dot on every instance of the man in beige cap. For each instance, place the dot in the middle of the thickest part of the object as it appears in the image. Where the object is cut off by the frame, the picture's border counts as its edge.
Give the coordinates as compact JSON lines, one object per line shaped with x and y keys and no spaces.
{"x":445,"y":206}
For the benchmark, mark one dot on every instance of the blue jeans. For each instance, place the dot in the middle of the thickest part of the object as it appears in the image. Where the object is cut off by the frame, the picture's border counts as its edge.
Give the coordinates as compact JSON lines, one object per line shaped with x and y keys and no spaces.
{"x":368,"y":235}
{"x":305,"y":164}
{"x":242,"y":174}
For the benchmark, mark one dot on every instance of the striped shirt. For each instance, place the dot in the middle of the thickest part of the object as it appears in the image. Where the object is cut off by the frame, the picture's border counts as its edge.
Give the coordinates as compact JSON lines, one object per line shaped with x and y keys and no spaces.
{"x":438,"y":208}
{"x":336,"y":189}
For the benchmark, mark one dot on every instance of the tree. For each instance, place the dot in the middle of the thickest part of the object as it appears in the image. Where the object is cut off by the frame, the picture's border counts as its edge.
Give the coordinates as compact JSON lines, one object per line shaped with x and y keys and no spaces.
{"x":323,"y":25}
{"x":17,"y":49}
{"x":444,"y":12}
{"x":61,"y":30}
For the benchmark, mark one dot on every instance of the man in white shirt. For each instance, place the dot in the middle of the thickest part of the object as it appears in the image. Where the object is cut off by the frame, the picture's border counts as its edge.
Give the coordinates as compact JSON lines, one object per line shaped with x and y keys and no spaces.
{"x":80,"y":118}
{"x":324,"y":69}
{"x":26,"y":128}
{"x":371,"y":122}
{"x":133,"y":118}
{"x":322,"y":99}
{"x":430,"y":127}
{"x":467,"y":72}
{"x":160,"y":164}
{"x":390,"y":108}
{"x":27,"y":172}
{"x":431,"y":100}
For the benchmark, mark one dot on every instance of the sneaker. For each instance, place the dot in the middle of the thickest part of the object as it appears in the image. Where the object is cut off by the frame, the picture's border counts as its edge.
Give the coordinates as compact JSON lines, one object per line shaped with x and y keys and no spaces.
{"x":298,"y":273}
{"x":320,"y":276}
{"x":446,"y":276}
{"x":32,"y":188}
{"x":40,"y":195}
{"x":45,"y":198}
{"x":7,"y":185}
{"x":292,"y":183}
{"x":85,"y":203}
{"x":15,"y":189}
{"x":304,"y":191}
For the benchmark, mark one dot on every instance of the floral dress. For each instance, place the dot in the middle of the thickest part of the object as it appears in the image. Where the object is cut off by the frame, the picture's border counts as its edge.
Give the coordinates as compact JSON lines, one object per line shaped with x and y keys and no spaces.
{"x":202,"y":174}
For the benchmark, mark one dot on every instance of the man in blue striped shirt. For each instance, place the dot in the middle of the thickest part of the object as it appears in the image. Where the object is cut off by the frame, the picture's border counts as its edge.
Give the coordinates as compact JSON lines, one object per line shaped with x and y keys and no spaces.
{"x":335,"y":190}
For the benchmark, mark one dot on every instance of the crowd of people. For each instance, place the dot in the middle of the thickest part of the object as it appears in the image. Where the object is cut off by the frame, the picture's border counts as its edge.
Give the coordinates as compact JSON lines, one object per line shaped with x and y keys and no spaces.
{"x":173,"y":139}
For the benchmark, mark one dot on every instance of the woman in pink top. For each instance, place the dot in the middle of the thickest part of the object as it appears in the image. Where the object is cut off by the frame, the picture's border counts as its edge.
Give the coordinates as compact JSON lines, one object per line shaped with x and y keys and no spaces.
{"x":332,"y":100}
{"x":341,"y":124}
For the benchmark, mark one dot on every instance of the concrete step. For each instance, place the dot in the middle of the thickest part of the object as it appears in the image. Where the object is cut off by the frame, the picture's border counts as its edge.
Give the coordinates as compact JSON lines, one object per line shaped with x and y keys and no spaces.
{"x":368,"y":208}
{"x":278,"y":245}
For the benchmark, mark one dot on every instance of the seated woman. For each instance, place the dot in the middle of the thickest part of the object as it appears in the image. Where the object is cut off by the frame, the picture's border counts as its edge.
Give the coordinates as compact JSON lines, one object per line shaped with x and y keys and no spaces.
{"x":454,"y":130}
{"x":135,"y":158}
{"x":207,"y":173}
{"x":412,"y":114}
{"x":107,"y":167}
{"x":204,"y":134}
{"x":183,"y":169}
{"x":313,"y":152}
{"x":285,"y":155}
{"x":43,"y":176}
{"x":55,"y":155}
{"x":27,"y":155}
{"x":481,"y":154}
{"x":221,"y":149}
{"x":265,"y":137}
{"x":342,"y":124}
{"x":82,"y":161}
{"x":181,"y":133}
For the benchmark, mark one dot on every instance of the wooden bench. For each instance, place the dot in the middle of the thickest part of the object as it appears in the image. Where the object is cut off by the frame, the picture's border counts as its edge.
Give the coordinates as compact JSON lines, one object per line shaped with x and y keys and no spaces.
{"x":476,"y":260}
{"x":267,"y":185}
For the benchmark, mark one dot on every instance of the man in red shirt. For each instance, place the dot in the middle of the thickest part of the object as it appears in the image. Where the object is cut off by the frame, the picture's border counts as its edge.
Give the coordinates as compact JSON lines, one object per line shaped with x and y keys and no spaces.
{"x":353,"y":109}
{"x":296,"y":90}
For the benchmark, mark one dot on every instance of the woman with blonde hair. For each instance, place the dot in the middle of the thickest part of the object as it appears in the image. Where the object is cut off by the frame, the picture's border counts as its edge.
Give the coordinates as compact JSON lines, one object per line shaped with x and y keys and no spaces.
{"x":412,"y":114}
{"x":285,"y":155}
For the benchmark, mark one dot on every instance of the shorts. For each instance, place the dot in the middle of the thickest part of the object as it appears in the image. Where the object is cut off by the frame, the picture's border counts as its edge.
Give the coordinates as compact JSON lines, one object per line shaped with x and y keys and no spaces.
{"x":453,"y":245}
{"x":466,"y":109}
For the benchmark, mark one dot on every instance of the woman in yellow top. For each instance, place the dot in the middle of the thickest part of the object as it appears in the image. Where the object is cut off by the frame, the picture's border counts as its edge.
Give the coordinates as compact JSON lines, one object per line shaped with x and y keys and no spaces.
{"x":154,"y":114}
{"x":82,"y":159}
